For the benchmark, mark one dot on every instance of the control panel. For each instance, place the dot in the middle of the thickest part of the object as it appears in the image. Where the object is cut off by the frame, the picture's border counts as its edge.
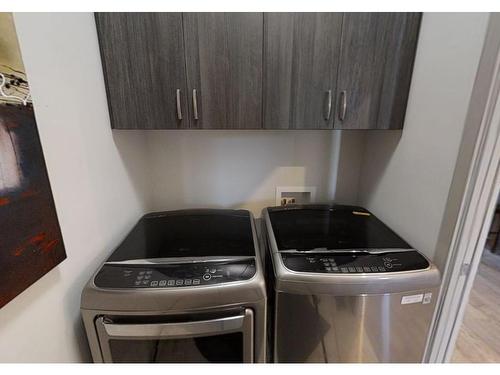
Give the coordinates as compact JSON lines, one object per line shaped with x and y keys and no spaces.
{"x":355,"y":262}
{"x":174,"y":275}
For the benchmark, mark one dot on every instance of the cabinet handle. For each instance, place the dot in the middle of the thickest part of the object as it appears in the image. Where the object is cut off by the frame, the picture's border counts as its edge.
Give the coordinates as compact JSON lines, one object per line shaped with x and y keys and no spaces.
{"x":328,"y":106}
{"x":343,"y":105}
{"x":178,"y":101}
{"x":195,"y":105}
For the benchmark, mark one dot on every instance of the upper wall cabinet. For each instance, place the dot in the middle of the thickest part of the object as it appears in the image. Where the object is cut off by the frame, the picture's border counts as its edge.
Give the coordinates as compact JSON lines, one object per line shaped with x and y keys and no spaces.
{"x":224,"y":69}
{"x":302,"y":52}
{"x":341,"y":70}
{"x":182,"y":70}
{"x":143,"y":63}
{"x":255,"y":70}
{"x":376,"y":64}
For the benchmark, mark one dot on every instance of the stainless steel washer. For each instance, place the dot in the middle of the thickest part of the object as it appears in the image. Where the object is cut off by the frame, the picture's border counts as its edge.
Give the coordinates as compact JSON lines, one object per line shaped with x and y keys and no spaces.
{"x":184,"y":286}
{"x":343,"y":287}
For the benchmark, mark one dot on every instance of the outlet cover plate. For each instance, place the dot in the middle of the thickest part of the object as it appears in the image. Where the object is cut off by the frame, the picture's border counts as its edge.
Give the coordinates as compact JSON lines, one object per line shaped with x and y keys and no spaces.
{"x":284,"y":191}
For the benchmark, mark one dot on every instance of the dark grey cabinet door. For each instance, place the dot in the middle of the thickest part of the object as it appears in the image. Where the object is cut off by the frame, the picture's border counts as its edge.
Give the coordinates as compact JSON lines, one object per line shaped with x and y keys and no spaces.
{"x":224,"y":66}
{"x":378,"y":50}
{"x":301,"y":57}
{"x":143,"y":63}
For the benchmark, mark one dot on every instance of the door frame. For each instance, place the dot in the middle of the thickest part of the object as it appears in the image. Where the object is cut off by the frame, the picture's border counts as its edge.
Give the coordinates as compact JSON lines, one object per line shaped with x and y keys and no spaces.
{"x":471,"y":200}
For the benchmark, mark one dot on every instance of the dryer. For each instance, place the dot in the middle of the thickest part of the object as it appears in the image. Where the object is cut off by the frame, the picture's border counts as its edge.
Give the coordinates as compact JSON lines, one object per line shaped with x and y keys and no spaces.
{"x":343,"y":287}
{"x":183,"y":286}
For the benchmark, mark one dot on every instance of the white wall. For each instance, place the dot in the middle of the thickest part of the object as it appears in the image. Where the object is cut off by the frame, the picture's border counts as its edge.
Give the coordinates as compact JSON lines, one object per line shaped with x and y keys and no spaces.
{"x":241,"y":169}
{"x":406,"y":176}
{"x":97,"y":181}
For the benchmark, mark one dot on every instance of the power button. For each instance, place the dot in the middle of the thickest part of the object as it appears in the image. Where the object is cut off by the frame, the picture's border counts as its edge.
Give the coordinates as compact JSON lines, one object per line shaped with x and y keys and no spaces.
{"x":207,"y":277}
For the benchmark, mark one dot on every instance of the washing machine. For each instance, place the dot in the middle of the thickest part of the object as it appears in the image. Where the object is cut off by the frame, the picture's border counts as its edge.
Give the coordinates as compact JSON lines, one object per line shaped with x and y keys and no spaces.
{"x":344,"y":287}
{"x":184,"y":286}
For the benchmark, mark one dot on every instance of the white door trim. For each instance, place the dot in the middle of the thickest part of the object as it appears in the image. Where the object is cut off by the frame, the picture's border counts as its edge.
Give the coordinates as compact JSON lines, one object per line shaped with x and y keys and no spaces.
{"x":480,"y":186}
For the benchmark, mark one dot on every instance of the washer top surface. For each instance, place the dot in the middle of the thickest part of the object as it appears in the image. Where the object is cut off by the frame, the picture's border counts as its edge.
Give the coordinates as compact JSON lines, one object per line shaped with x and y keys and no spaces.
{"x":336,"y":227}
{"x":181,"y":260}
{"x":188,"y":233}
{"x":341,"y":250}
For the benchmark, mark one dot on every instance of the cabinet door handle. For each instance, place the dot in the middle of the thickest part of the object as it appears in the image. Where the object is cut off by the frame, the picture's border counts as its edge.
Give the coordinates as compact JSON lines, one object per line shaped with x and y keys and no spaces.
{"x":195,"y":105}
{"x":328,"y":106}
{"x":343,"y":105}
{"x":178,"y":101}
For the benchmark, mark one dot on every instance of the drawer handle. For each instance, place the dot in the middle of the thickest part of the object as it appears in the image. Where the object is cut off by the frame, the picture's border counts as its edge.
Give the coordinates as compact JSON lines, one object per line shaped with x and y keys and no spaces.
{"x":173,"y":330}
{"x":178,"y":101}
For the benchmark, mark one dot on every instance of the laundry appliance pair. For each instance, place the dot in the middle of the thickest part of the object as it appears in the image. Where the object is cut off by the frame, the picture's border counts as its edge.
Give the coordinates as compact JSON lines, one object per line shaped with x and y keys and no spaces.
{"x":328,"y":283}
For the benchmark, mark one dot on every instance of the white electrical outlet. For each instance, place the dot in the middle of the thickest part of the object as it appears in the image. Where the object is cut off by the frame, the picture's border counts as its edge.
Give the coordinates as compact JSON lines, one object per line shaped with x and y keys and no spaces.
{"x":286,"y":195}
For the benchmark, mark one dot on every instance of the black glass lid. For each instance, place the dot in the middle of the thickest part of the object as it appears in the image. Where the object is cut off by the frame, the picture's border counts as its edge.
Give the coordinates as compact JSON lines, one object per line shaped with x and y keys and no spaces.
{"x":335,"y":227}
{"x":188,"y":233}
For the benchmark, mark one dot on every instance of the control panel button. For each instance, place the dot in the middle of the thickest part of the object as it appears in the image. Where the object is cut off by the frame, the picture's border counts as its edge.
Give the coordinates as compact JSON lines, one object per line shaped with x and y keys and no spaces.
{"x":344,"y":269}
{"x":149,"y":272}
{"x":137,"y":283}
{"x":171,"y":282}
{"x":367,"y":269}
{"x":207,"y":277}
{"x":213,"y":270}
{"x":163,"y":283}
{"x":188,"y":282}
{"x":387,"y":265}
{"x":179,"y":282}
{"x":381,"y":269}
{"x":352,"y":269}
{"x":359,"y":269}
{"x":154,"y":283}
{"x":196,"y":281}
{"x":335,"y":269}
{"x":375,"y":269}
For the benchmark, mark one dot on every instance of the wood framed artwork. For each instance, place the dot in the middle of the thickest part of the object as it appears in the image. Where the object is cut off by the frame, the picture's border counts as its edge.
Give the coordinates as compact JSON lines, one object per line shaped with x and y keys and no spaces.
{"x":31,"y":243}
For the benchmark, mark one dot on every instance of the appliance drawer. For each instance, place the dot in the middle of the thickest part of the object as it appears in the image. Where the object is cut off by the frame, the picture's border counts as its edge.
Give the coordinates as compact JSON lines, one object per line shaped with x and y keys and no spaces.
{"x":221,"y":340}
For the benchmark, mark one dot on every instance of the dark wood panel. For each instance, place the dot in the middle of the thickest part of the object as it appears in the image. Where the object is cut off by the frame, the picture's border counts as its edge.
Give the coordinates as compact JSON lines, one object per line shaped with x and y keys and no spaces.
{"x":400,"y":56}
{"x":375,"y":69}
{"x":224,"y":65}
{"x":301,"y":60}
{"x":143,"y":63}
